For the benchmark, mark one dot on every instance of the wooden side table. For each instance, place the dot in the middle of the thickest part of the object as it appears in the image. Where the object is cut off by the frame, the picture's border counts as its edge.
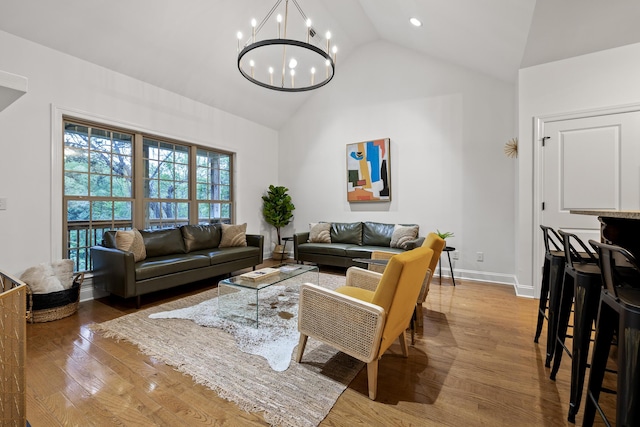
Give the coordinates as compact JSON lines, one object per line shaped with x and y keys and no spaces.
{"x":448,"y":250}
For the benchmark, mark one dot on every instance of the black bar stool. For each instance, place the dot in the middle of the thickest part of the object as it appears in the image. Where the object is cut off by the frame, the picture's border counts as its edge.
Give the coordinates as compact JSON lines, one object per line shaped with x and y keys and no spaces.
{"x":582,"y":283}
{"x":552,"y":274}
{"x":619,"y":311}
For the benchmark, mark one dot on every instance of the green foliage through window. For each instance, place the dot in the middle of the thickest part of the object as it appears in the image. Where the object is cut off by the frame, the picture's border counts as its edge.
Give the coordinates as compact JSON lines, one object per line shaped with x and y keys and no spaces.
{"x":100,"y":185}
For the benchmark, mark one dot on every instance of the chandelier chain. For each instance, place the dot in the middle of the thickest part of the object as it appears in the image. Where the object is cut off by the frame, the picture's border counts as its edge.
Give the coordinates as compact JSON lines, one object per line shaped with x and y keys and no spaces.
{"x":273,"y":9}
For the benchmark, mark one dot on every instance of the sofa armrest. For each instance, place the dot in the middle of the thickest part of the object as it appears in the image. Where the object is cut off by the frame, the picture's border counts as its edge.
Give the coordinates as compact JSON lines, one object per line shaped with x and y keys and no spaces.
{"x":114,"y":270}
{"x":346,"y":323}
{"x":257,"y":240}
{"x":416,"y":243}
{"x":299,"y":238}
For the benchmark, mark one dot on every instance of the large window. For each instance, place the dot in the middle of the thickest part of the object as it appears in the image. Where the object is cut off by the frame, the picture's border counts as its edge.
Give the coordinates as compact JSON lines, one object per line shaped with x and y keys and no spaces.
{"x":213,"y":184}
{"x":166,"y":184}
{"x":115,"y":179}
{"x":97,"y":187}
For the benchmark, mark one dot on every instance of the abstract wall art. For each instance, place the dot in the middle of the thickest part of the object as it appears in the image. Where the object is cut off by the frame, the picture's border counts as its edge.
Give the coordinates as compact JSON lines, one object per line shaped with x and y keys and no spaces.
{"x":368,"y":174}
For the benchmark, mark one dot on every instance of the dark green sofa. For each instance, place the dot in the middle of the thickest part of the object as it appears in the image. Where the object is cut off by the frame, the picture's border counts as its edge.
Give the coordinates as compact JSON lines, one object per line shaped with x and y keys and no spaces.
{"x":348,"y":242}
{"x":174,"y":257}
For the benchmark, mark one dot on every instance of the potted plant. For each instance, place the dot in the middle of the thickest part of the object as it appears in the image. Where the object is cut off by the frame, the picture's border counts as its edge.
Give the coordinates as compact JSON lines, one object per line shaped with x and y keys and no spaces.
{"x":444,"y":235}
{"x":277,"y":210}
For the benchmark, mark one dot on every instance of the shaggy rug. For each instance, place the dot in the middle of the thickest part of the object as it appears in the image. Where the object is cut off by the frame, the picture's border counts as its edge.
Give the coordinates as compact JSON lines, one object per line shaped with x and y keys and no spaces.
{"x":301,"y":395}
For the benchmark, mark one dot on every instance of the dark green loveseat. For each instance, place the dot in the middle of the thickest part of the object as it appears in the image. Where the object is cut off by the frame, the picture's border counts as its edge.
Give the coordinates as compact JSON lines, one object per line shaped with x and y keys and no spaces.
{"x":349,"y":241}
{"x":173,"y":257}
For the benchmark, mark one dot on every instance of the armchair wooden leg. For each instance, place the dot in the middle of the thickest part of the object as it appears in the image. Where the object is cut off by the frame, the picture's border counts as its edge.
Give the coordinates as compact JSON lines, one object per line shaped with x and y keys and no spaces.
{"x":372,"y":377}
{"x":419,"y":315}
{"x":301,"y":345}
{"x":403,"y":344}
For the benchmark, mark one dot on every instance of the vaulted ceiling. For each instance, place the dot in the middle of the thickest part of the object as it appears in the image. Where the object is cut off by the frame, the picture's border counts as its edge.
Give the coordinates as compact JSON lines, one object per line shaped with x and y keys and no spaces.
{"x":189,"y":46}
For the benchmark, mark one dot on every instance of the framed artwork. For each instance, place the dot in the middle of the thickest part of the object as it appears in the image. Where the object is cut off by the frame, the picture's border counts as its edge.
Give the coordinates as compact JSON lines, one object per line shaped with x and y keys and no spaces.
{"x":368,"y":173}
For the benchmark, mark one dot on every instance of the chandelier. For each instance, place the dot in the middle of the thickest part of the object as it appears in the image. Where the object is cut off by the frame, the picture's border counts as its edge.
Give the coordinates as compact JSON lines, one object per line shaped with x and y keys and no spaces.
{"x":283,"y":63}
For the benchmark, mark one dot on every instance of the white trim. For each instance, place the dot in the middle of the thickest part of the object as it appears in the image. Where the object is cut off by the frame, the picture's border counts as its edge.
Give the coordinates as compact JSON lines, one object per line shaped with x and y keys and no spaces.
{"x":538,"y":132}
{"x":89,"y":292}
{"x":487,"y":277}
{"x":56,"y":183}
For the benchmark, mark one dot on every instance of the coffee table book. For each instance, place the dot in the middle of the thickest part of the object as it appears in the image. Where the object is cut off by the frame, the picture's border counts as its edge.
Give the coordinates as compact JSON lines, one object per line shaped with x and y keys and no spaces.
{"x":260,"y":274}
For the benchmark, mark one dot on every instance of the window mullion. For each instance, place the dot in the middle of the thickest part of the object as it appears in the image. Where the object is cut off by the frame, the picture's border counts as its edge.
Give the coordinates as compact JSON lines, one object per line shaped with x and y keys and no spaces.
{"x":139,"y":215}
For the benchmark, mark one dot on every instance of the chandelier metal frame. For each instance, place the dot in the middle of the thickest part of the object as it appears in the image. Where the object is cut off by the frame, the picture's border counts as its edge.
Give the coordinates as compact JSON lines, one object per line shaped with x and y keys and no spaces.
{"x":252,"y":45}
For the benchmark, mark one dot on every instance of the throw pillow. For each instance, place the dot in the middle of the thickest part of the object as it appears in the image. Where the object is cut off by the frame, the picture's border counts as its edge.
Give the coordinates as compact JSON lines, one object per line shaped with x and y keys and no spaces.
{"x":49,"y":277}
{"x":233,"y":235}
{"x":131,"y":241}
{"x":319,"y":232}
{"x":402,"y":234}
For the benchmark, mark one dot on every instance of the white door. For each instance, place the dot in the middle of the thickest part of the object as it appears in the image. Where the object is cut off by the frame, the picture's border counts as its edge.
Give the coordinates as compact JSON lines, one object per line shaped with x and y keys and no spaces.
{"x":589,"y":163}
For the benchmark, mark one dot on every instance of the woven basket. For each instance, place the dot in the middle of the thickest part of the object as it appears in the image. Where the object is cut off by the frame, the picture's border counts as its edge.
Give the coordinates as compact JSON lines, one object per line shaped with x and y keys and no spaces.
{"x":55,"y":305}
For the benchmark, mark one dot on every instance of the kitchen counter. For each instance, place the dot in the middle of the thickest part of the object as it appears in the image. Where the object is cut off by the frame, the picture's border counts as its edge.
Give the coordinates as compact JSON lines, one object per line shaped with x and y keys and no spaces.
{"x":620,"y":228}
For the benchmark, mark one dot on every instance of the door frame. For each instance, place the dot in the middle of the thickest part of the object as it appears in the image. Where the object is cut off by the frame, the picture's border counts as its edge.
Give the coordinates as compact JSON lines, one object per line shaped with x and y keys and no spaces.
{"x":539,"y":123}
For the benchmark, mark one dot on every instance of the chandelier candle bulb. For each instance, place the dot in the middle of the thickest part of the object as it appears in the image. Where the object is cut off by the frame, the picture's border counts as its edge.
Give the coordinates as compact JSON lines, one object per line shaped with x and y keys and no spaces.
{"x":271,"y":75}
{"x":253,"y":30}
{"x":252,"y":64}
{"x":279,"y":20}
{"x":293,"y":73}
{"x":335,"y":52}
{"x":328,"y":36}
{"x":239,"y":38}
{"x":308,"y":30}
{"x":313,"y":75}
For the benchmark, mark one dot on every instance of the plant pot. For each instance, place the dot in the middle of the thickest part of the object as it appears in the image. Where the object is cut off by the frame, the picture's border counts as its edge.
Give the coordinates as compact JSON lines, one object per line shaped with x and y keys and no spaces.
{"x":279,"y":254}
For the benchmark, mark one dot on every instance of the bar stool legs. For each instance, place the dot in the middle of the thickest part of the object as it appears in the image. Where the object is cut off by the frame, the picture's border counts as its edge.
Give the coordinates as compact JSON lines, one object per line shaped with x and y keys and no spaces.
{"x":586,"y":299}
{"x":544,"y":297}
{"x":555,"y":295}
{"x":619,"y":312}
{"x":616,"y":315}
{"x":564,"y":313}
{"x":582,"y":285}
{"x":607,"y":323}
{"x":550,"y":289}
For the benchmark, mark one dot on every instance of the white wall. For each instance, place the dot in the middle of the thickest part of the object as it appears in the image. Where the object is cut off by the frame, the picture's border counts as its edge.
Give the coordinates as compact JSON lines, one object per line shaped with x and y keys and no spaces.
{"x":447,"y":126}
{"x":58,"y":83}
{"x":599,"y":80}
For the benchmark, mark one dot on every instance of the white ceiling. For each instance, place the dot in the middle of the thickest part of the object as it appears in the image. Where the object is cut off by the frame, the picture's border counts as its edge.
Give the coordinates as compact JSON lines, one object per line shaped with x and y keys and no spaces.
{"x":189,"y":46}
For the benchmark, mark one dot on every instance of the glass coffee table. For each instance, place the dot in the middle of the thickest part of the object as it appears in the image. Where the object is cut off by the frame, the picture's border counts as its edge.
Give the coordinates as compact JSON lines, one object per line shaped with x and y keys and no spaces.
{"x":239,"y":298}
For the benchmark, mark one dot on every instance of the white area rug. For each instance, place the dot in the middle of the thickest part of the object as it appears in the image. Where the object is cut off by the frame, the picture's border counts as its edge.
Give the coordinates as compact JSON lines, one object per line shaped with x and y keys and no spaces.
{"x":277,"y":334}
{"x":302,"y":395}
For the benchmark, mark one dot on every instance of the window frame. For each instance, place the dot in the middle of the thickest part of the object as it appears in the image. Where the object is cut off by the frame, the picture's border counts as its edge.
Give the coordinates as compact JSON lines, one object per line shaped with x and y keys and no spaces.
{"x":138,"y":199}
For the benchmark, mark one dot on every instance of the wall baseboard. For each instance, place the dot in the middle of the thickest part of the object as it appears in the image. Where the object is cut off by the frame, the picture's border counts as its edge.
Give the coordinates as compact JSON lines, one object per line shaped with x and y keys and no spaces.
{"x":492,"y":278}
{"x":89,"y":292}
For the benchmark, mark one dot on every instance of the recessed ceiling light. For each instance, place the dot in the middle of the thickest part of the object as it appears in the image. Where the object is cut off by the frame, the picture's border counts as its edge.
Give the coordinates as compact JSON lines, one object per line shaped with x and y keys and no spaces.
{"x":416,"y":22}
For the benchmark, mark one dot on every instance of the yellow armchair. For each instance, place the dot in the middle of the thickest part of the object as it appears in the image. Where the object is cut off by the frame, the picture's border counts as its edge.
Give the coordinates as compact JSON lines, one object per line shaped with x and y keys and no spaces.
{"x":432,"y":241}
{"x":363,"y":321}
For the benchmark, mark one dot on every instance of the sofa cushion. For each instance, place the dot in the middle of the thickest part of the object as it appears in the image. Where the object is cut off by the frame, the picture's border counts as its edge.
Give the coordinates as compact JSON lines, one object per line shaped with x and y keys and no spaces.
{"x":222,"y":255}
{"x":377,"y":234}
{"x":320,"y":232}
{"x":166,"y":241}
{"x":131,"y":241}
{"x":343,"y":232}
{"x":335,"y":249}
{"x":169,"y":264}
{"x":233,"y":235}
{"x":402,"y":234}
{"x":354,"y":251}
{"x":197,"y":237}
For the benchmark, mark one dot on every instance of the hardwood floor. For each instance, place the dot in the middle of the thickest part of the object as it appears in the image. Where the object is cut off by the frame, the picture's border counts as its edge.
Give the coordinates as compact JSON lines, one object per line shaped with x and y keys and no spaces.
{"x":474,"y":363}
